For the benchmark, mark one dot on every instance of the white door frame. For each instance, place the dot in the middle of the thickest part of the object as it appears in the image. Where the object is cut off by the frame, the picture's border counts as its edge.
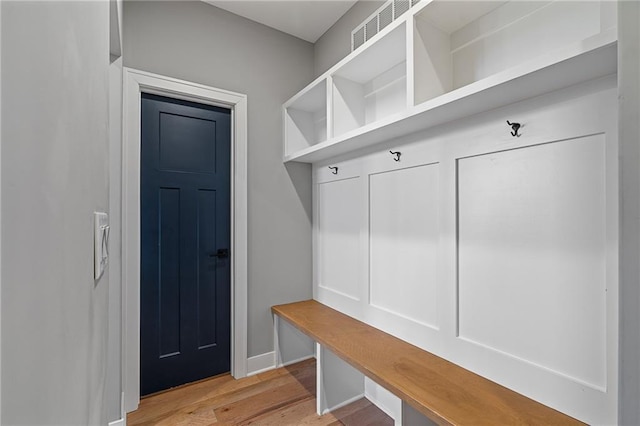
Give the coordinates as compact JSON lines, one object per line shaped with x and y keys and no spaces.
{"x":136,"y":82}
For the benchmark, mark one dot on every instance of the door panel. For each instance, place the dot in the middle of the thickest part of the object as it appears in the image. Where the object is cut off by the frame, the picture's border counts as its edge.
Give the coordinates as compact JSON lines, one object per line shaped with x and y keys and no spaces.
{"x":169,"y":271}
{"x":181,"y":138}
{"x":206,"y":272}
{"x":185,"y":222}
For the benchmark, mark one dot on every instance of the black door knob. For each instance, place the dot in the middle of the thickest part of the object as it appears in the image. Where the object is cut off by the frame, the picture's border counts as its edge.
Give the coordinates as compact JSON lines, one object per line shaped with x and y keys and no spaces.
{"x":220,"y":254}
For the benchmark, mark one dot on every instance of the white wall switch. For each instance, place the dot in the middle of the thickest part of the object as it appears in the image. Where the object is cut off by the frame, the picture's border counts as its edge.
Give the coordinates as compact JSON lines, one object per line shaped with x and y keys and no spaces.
{"x":100,"y":243}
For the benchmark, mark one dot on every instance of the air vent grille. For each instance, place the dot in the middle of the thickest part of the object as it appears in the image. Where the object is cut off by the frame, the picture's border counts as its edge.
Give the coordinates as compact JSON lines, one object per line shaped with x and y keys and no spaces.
{"x":371,"y":28}
{"x":385,"y":16}
{"x":400,"y":7}
{"x":357,"y":38}
{"x":375,"y":23}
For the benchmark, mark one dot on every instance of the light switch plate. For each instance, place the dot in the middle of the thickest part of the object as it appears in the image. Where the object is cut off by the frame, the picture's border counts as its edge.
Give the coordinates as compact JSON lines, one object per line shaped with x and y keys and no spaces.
{"x":100,"y":243}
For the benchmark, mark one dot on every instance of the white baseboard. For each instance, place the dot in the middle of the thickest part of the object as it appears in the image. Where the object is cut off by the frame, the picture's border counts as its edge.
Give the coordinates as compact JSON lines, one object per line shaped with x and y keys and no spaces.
{"x":120,"y":422}
{"x":293,"y":361}
{"x":267,"y":361}
{"x":123,"y":420}
{"x":344,"y":403}
{"x":261,"y":363}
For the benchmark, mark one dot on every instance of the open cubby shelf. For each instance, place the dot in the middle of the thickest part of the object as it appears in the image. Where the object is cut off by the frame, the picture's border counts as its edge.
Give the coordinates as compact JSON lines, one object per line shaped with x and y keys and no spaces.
{"x":446,"y":60}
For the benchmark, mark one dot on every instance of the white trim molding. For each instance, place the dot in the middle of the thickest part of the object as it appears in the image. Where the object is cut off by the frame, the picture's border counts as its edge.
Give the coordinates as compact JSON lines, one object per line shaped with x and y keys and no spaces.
{"x":0,"y":222}
{"x":135,"y":83}
{"x":261,"y":363}
{"x":629,"y":240}
{"x":268,"y":361}
{"x":120,"y":422}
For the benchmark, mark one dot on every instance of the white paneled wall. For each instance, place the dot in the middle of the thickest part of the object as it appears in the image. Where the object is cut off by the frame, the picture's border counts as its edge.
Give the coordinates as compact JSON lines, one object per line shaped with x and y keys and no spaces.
{"x":496,"y":252}
{"x":403,"y":242}
{"x":532,"y":255}
{"x":339,"y":237}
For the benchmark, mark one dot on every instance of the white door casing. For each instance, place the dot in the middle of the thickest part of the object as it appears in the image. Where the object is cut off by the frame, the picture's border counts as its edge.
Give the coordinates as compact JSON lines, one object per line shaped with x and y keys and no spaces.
{"x":135,"y":83}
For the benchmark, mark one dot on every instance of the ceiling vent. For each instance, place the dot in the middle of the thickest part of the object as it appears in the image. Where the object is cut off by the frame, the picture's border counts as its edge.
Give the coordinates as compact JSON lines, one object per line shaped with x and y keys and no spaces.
{"x":375,"y":23}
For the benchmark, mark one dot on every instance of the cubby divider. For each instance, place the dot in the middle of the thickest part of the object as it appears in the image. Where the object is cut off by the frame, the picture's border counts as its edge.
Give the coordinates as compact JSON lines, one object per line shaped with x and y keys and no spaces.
{"x":371,"y":86}
{"x":305,"y":118}
{"x":444,"y":60}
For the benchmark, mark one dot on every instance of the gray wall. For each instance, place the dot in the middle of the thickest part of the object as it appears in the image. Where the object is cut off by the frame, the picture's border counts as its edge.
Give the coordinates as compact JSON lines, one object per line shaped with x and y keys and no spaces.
{"x":197,"y":42}
{"x":629,"y":87}
{"x":114,"y":358}
{"x":335,"y":44}
{"x":55,"y":59}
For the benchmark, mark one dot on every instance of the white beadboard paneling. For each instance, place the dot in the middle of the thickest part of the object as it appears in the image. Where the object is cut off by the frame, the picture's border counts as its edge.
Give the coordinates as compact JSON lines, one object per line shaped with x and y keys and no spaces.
{"x":339,"y":223}
{"x":532,"y":255}
{"x":403,"y":238}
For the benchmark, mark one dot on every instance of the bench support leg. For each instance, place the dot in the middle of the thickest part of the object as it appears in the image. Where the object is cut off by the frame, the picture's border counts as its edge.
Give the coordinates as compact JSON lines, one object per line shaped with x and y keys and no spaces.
{"x":338,"y":384}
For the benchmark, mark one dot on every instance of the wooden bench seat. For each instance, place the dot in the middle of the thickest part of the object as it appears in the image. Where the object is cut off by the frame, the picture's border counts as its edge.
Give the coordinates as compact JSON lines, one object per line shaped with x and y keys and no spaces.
{"x":442,"y":391}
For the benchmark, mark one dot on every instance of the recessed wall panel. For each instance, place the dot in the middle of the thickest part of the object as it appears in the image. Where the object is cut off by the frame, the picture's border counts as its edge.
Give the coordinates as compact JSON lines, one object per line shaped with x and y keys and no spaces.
{"x":339,"y":225}
{"x":180,"y":137}
{"x":531,"y":255}
{"x":207,"y":265}
{"x":403,"y":238}
{"x":169,"y":272}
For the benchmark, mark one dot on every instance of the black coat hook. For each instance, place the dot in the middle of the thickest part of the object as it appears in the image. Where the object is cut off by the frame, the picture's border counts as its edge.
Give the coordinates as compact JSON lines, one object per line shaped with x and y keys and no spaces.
{"x":397,"y":154}
{"x":515,"y":127}
{"x":334,"y":170}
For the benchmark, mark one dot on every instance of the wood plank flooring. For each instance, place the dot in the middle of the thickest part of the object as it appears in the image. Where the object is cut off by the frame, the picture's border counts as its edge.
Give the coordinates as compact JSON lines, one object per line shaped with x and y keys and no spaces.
{"x":285,"y":396}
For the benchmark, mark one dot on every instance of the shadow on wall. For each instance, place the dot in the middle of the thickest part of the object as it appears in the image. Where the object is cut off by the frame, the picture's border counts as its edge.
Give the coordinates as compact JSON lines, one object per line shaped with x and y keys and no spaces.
{"x":300,"y":175}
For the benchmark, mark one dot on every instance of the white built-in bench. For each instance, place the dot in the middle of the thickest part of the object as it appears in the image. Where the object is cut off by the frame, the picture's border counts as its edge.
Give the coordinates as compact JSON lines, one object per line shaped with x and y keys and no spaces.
{"x":432,"y":389}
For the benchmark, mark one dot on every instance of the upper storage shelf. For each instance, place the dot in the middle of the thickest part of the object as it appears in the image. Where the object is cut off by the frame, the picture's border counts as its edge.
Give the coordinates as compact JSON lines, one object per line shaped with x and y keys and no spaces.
{"x":305,"y":118}
{"x":445,"y":60}
{"x":371,"y":85}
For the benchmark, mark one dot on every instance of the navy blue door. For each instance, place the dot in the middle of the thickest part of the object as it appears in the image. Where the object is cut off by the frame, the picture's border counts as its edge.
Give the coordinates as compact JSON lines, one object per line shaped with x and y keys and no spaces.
{"x":185,"y":241}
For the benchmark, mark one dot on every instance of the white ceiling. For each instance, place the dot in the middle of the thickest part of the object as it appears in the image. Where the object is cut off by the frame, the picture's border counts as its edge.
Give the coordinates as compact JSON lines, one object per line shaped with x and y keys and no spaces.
{"x":307,"y":19}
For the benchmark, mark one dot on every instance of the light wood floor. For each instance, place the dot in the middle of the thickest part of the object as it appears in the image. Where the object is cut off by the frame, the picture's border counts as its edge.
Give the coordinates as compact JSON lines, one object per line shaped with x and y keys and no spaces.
{"x":285,"y":396}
